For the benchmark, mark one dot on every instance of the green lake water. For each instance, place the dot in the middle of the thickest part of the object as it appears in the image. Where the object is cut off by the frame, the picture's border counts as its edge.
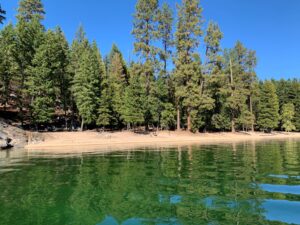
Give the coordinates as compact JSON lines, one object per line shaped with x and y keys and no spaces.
{"x":249,"y":183}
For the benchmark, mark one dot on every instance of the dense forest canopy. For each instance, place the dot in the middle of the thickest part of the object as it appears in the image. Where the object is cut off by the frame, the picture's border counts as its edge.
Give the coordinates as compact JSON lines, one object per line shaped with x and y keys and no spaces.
{"x":46,"y":80}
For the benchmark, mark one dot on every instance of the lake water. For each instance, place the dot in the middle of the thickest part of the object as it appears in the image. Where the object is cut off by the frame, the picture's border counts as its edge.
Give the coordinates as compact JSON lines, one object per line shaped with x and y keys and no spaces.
{"x":250,"y":183}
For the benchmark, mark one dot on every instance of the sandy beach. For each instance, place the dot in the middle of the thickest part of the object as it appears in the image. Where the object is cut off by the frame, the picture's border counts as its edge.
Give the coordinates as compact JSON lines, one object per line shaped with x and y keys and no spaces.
{"x":65,"y":142}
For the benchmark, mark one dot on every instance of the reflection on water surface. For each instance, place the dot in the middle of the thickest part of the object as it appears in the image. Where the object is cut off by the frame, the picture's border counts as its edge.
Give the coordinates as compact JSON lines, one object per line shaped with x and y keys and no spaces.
{"x":248,"y":183}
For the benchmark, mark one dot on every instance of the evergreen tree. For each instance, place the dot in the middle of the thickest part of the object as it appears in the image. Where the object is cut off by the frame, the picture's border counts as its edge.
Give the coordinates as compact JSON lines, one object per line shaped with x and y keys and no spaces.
{"x":268,"y":117}
{"x":162,"y":92}
{"x":105,"y":98}
{"x":30,"y":9}
{"x":133,"y":112}
{"x":78,"y":47}
{"x":7,"y":63}
{"x":213,"y":48}
{"x":86,"y":86}
{"x":105,"y":117}
{"x":187,"y":76}
{"x":79,"y":44}
{"x":165,"y":20}
{"x":29,"y":36}
{"x":214,"y":76}
{"x":118,"y":80}
{"x":41,"y":82}
{"x":251,"y":85}
{"x":61,"y":63}
{"x":287,"y":117}
{"x":145,"y":30}
{"x":145,"y":33}
{"x":288,"y":92}
{"x":240,"y":84}
{"x":2,"y":15}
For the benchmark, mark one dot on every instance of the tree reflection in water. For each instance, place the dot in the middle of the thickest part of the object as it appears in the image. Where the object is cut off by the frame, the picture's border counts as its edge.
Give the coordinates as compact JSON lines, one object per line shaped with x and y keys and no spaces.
{"x":248,"y":183}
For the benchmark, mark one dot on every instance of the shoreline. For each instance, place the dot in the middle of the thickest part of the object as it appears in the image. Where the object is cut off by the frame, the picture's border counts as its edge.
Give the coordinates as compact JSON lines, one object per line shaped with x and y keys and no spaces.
{"x":70,"y":142}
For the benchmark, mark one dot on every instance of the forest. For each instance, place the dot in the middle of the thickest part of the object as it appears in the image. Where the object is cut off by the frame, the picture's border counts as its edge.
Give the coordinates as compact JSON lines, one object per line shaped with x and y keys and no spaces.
{"x":46,"y":81}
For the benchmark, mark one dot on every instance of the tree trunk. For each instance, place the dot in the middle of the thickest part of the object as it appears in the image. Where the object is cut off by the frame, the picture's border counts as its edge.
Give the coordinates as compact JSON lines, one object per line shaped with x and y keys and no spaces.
{"x":189,"y":124}
{"x":82,"y":124}
{"x":178,"y":119}
{"x":232,"y":94}
{"x":232,"y":125}
{"x":251,"y":110}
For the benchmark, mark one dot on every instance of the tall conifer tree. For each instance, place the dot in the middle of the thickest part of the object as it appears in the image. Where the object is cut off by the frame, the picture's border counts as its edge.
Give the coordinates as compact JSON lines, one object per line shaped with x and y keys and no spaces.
{"x":118,"y":80}
{"x":40,"y":85}
{"x":188,"y":69}
{"x":145,"y":33}
{"x":62,"y":75}
{"x":133,"y":112}
{"x":29,"y":36}
{"x":86,"y":84}
{"x":165,"y":27}
{"x":268,"y":117}
{"x":215,"y":78}
{"x":7,"y":63}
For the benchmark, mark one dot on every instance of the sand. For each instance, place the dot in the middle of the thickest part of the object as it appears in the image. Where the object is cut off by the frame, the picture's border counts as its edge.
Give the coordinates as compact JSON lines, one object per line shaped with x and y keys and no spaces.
{"x":70,"y":142}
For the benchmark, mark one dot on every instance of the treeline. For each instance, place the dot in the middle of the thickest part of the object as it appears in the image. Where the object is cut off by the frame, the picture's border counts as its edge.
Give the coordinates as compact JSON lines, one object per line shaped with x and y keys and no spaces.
{"x":169,"y":85}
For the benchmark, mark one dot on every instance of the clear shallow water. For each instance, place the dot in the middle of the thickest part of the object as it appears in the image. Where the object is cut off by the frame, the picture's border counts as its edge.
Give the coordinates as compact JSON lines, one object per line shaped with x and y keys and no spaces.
{"x":250,"y":183}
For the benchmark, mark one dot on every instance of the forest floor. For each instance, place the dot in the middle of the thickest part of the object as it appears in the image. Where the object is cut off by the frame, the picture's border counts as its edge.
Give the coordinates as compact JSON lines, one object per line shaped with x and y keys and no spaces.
{"x":73,"y":142}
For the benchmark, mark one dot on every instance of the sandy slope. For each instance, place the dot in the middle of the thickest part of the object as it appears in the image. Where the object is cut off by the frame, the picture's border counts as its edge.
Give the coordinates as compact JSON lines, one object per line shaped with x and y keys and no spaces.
{"x":86,"y":141}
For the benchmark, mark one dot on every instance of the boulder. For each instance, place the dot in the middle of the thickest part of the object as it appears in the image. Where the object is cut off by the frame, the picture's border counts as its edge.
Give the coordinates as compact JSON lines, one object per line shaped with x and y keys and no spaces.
{"x":5,"y":142}
{"x":11,"y":136}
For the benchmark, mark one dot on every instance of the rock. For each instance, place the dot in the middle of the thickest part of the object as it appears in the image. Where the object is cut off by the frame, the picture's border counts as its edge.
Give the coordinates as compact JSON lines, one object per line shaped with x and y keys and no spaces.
{"x":3,"y":144}
{"x":11,"y":136}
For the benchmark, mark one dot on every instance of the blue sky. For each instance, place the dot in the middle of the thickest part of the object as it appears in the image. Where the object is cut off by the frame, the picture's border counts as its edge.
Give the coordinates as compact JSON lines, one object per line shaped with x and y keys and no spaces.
{"x":271,"y":27}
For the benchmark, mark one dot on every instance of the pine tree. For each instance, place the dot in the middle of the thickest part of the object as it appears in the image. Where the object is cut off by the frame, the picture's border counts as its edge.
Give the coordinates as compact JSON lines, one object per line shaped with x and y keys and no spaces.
{"x":105,"y":117}
{"x":213,"y":48}
{"x":2,"y":15}
{"x":133,"y":112}
{"x":78,"y":47}
{"x":213,"y":74}
{"x":105,"y":98}
{"x":288,"y":116}
{"x":239,"y":87}
{"x":165,"y":20}
{"x":218,"y":118}
{"x":145,"y":30}
{"x":168,"y":116}
{"x":86,"y":86}
{"x":268,"y":117}
{"x":29,"y":36}
{"x":251,"y":85}
{"x":145,"y":33}
{"x":61,"y":64}
{"x":288,"y":92}
{"x":7,"y":63}
{"x":118,"y":80}
{"x":40,"y":85}
{"x":30,"y":9}
{"x":187,"y":76}
{"x":162,"y":92}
